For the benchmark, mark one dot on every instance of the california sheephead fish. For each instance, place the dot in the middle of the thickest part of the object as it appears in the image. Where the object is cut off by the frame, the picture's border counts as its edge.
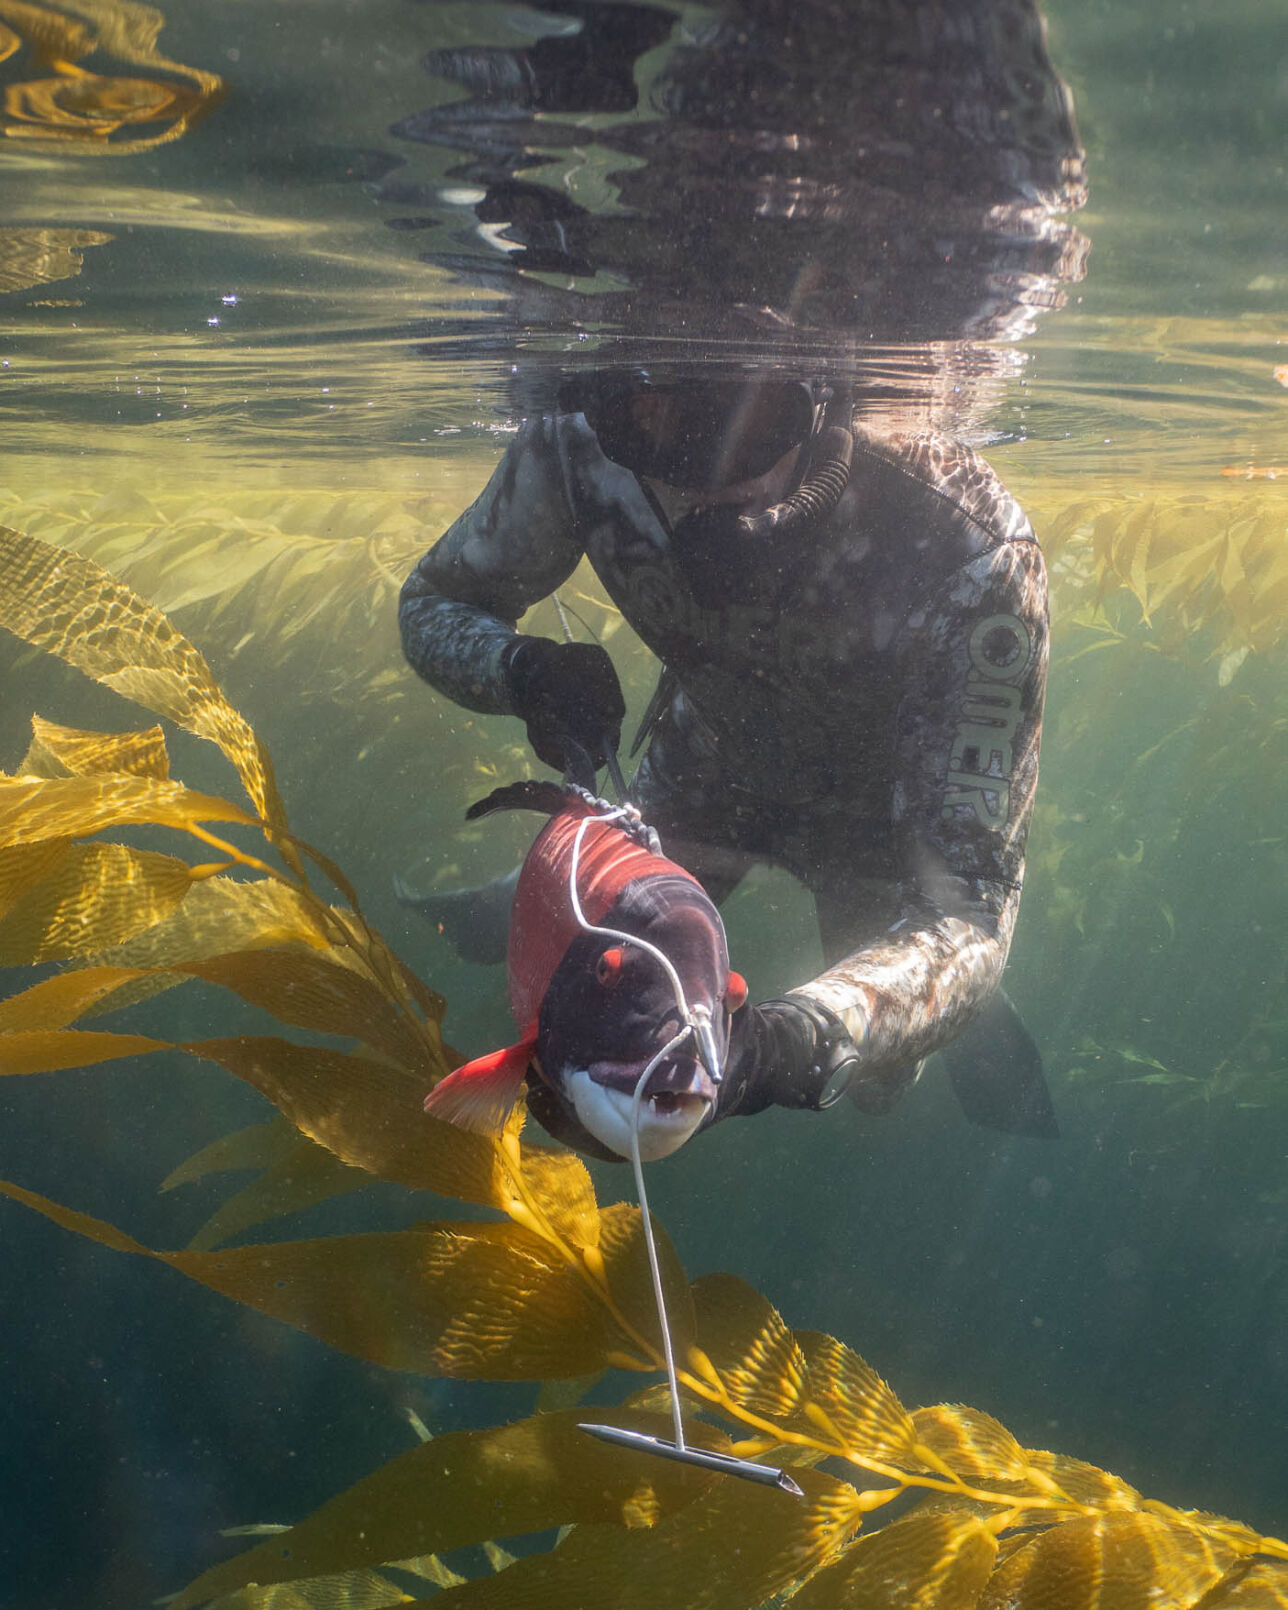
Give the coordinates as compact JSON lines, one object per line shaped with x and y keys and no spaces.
{"x":594,"y":999}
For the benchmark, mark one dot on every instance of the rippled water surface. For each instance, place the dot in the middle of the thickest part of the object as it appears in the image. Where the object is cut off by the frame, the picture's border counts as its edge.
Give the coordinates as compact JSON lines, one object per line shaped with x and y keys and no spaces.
{"x":257,"y":368}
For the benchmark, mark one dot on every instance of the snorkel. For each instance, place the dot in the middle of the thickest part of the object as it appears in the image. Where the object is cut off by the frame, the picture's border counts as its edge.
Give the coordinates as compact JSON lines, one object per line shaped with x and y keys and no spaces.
{"x":824,"y":478}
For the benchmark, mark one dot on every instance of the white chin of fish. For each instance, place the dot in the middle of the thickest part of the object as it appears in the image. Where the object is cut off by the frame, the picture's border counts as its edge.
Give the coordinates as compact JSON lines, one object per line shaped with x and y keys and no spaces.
{"x":607,"y":1114}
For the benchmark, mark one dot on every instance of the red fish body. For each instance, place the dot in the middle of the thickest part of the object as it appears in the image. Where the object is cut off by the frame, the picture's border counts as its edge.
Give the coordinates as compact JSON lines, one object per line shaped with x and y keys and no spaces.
{"x":594,"y":1002}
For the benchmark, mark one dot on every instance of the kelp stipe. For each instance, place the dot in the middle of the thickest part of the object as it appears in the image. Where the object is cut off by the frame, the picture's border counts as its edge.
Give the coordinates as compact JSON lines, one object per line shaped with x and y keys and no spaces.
{"x":556,"y":1288}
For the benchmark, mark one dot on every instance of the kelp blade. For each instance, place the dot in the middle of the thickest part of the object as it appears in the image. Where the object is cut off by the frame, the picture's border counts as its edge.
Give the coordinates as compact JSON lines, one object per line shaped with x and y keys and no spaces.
{"x":925,"y":1562}
{"x":476,"y":1301}
{"x":731,"y":1549}
{"x":57,"y":751}
{"x":56,"y":1002}
{"x":66,"y":604}
{"x":304,"y":1175}
{"x":465,"y":1487}
{"x":845,"y":1396}
{"x":98,"y":895}
{"x":747,"y":1342}
{"x":52,"y":1050}
{"x":368,"y":1113}
{"x":1110,"y":1562}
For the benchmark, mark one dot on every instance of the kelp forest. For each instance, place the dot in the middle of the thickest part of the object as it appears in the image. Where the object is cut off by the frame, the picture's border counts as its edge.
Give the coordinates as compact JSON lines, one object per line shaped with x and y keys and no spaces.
{"x":274,"y":1332}
{"x":938,"y":1505}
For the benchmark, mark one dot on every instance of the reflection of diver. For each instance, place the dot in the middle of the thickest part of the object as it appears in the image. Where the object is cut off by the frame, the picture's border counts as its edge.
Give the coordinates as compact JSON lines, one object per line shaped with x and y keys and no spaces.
{"x":854,"y":633}
{"x":778,"y":171}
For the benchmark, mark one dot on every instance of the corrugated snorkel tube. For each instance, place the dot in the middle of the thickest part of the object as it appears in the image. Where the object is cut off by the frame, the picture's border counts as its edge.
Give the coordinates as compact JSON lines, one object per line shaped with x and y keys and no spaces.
{"x":826,"y":476}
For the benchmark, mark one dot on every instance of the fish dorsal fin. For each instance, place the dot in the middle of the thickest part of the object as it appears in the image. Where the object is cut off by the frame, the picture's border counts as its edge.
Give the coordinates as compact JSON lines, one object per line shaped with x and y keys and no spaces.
{"x":481,"y":1095}
{"x":543,"y":924}
{"x":536,"y":794}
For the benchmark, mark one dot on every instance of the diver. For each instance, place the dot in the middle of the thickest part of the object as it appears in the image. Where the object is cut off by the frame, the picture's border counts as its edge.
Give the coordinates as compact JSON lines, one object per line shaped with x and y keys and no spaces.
{"x":852,"y":627}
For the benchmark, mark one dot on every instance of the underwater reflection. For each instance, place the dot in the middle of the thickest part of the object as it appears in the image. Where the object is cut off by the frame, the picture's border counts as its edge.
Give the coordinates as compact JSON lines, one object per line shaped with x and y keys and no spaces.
{"x":51,"y":95}
{"x":878,"y":182}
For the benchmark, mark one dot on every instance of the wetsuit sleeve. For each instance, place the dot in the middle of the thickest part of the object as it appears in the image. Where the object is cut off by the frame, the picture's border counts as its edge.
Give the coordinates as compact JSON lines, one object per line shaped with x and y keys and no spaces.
{"x":973,"y":661}
{"x":514,"y":545}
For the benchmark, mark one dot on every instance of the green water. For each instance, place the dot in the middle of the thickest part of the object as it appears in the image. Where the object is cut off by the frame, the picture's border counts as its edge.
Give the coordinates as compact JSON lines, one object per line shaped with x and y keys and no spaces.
{"x":259,"y":404}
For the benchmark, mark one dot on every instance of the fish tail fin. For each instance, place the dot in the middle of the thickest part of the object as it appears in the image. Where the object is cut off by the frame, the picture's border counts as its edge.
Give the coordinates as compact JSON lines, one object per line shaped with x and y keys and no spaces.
{"x":481,"y":1095}
{"x":536,"y":794}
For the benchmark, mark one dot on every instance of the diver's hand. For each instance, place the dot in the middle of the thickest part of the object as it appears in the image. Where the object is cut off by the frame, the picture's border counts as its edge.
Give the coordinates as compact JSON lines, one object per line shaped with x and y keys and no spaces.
{"x":562,"y":691}
{"x":790,"y":1052}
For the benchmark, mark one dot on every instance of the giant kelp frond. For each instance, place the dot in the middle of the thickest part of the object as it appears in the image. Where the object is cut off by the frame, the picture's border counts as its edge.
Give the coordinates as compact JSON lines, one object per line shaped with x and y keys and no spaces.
{"x":555,"y":1287}
{"x":266,"y":575}
{"x":1215,"y":564}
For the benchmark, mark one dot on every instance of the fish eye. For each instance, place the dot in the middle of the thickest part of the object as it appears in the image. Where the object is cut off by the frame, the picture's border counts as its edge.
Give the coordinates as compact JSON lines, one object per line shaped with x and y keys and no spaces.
{"x":608,"y":969}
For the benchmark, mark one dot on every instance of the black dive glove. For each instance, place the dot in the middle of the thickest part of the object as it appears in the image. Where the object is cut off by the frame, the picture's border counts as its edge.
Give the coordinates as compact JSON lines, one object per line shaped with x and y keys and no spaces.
{"x":790,"y":1052}
{"x":562,"y":691}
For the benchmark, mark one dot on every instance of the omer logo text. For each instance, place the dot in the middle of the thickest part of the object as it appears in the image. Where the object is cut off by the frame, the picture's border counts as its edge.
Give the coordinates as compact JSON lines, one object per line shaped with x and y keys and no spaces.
{"x":981,"y":759}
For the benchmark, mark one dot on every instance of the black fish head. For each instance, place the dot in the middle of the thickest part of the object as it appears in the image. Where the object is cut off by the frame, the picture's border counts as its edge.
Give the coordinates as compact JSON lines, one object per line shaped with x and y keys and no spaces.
{"x":611,"y":1008}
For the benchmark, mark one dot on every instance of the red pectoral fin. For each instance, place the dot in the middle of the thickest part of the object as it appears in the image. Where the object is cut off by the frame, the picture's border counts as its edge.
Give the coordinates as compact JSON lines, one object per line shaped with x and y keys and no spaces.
{"x":480,"y":1095}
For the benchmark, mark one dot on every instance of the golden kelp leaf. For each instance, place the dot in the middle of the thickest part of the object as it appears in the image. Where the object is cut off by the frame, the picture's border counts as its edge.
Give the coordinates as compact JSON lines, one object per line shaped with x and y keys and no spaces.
{"x":1084,"y":1483}
{"x":460,"y":1488}
{"x":350,"y":1590}
{"x":304,"y":1175}
{"x":41,"y":256}
{"x":376,"y":956}
{"x":257,"y":1146}
{"x":1242,"y":1539}
{"x":1109,"y":1562}
{"x":320,"y":990}
{"x":1263,"y":1587}
{"x":98,"y":895}
{"x":733,"y":1548}
{"x":973,"y":1445}
{"x":432,"y":1569}
{"x":49,"y":1050}
{"x":562,"y":1189}
{"x":33,"y":808}
{"x":22,"y":865}
{"x":623,"y":1257}
{"x":60,"y":1000}
{"x":925,"y":1562}
{"x":1215,"y":563}
{"x":846,"y":1396}
{"x":746,"y":1339}
{"x":224,"y":914}
{"x":66,"y":604}
{"x":367,"y":1113}
{"x":219,"y":914}
{"x":68,"y":751}
{"x":486,"y":1302}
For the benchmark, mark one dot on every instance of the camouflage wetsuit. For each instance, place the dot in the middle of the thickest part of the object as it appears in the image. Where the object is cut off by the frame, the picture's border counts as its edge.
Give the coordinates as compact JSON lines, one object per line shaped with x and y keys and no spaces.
{"x":863,"y":709}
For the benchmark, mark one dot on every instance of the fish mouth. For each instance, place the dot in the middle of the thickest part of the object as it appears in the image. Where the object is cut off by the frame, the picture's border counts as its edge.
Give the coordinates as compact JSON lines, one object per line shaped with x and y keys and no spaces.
{"x":677,"y":1101}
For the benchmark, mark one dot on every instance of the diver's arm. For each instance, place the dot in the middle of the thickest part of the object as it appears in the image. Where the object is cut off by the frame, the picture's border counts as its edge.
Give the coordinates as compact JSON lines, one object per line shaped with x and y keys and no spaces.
{"x":514,"y":545}
{"x":974,"y":674}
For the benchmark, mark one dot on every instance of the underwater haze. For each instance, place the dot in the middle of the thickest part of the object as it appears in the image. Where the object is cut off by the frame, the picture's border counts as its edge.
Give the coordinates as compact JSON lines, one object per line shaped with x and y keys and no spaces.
{"x":280,"y":282}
